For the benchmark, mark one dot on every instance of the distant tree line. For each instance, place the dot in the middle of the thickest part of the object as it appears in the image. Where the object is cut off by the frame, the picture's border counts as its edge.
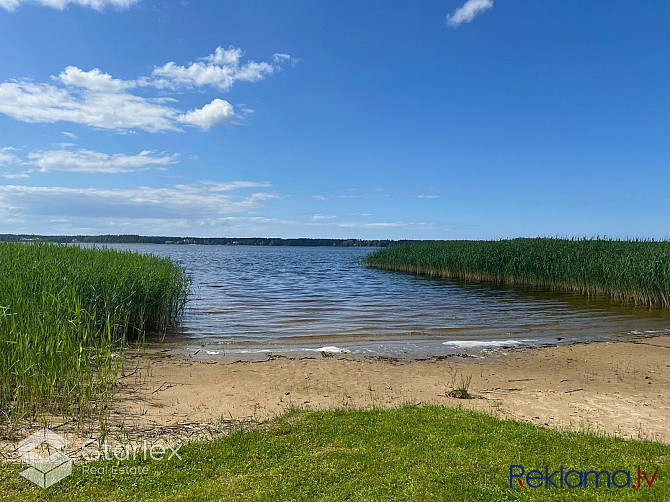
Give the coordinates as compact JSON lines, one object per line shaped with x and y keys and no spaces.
{"x":220,"y":241}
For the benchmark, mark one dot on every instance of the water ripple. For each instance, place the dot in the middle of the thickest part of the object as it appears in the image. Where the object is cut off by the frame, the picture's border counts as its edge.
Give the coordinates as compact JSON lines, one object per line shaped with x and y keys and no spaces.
{"x":296,"y":299}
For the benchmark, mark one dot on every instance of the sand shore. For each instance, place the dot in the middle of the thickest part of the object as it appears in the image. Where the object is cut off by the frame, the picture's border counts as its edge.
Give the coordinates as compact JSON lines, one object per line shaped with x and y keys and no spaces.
{"x":619,"y":388}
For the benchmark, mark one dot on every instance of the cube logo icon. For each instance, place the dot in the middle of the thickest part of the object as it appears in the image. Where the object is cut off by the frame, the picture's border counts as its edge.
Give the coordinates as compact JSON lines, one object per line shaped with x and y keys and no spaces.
{"x":45,"y":471}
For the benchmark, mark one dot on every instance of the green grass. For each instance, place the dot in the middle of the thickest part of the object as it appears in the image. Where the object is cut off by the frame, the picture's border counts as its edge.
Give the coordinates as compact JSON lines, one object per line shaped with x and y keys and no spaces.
{"x":64,"y":310}
{"x":409,"y":453}
{"x":628,"y":271}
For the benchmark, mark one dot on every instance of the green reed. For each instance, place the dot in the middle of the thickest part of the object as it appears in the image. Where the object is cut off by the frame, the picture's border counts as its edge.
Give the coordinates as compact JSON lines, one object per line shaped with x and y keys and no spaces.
{"x":65,"y":313}
{"x":636,"y":271}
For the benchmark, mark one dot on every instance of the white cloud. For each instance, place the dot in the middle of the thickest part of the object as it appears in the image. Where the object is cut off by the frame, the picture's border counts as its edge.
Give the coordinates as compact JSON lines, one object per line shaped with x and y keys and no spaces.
{"x":239,"y":226}
{"x":7,"y":157}
{"x":323,"y":217}
{"x":227,"y":186}
{"x":216,"y":112}
{"x":186,"y":209}
{"x":29,"y":102}
{"x":381,"y":224}
{"x":280,"y":57}
{"x":191,"y":202}
{"x":428,"y":196}
{"x":96,"y":99}
{"x":88,"y":161}
{"x":353,"y":194}
{"x":247,"y":221}
{"x":221,"y":56}
{"x":468,"y":11}
{"x":82,"y":161}
{"x":94,"y":80}
{"x":220,"y":70}
{"x":12,"y":5}
{"x":70,"y":135}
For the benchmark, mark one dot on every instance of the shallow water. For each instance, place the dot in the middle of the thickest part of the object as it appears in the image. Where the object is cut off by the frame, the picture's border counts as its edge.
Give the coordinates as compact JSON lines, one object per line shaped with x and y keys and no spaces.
{"x":254,"y":300}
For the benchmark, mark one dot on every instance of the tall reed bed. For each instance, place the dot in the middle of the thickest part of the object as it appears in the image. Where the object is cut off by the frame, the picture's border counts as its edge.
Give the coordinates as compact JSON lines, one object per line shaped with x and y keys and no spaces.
{"x":64,"y":312}
{"x":631,"y":271}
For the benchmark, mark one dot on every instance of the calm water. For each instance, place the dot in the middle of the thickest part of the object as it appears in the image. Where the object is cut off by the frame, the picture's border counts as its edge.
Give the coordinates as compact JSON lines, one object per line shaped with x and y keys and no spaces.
{"x":255,"y":300}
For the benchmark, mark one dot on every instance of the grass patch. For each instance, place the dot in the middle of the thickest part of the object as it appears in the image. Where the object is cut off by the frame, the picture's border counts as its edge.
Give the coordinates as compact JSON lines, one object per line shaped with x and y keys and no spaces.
{"x":629,"y":271}
{"x":460,"y":389}
{"x":64,"y":310}
{"x":409,"y":453}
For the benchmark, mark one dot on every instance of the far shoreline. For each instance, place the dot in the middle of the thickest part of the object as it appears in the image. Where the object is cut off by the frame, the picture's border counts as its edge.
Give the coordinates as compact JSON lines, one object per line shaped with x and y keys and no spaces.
{"x":122,"y":239}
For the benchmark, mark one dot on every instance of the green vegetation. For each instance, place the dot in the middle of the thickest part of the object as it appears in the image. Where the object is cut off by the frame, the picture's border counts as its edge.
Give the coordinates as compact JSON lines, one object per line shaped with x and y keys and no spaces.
{"x":630,"y":271}
{"x":460,"y":390}
{"x":409,"y":453}
{"x":64,"y":310}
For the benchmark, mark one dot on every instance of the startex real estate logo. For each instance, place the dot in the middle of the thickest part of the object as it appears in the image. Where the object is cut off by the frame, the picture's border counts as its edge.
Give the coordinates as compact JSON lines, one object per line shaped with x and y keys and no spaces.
{"x":43,"y":452}
{"x":44,"y":471}
{"x":560,"y":478}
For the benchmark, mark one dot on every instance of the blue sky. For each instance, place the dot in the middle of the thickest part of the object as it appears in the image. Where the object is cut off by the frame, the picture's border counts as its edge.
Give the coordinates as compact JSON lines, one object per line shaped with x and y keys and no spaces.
{"x":369,"y":119}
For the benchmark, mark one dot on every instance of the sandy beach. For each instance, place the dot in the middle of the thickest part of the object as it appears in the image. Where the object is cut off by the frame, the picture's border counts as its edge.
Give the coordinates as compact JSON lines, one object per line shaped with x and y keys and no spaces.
{"x":616,"y":388}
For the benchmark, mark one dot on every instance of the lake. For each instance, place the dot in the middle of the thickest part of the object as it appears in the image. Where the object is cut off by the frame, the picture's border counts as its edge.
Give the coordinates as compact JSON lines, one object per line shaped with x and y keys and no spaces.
{"x":251,"y":301}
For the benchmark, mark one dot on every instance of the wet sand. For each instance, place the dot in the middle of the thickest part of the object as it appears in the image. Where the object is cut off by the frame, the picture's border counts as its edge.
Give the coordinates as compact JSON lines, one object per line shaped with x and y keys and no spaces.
{"x":617,"y":388}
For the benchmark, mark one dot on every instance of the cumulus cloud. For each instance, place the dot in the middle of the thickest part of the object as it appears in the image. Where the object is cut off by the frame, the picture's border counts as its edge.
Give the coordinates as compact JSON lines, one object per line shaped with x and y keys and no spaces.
{"x":95,"y":98}
{"x":216,"y":112}
{"x":220,"y":69}
{"x":94,"y":80}
{"x":220,"y":56}
{"x":12,"y":5}
{"x":468,"y":11}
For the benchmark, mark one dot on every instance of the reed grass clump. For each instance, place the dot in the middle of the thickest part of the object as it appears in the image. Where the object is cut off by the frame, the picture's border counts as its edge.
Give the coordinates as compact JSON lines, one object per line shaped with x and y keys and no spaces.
{"x":65,"y":311}
{"x":636,"y":271}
